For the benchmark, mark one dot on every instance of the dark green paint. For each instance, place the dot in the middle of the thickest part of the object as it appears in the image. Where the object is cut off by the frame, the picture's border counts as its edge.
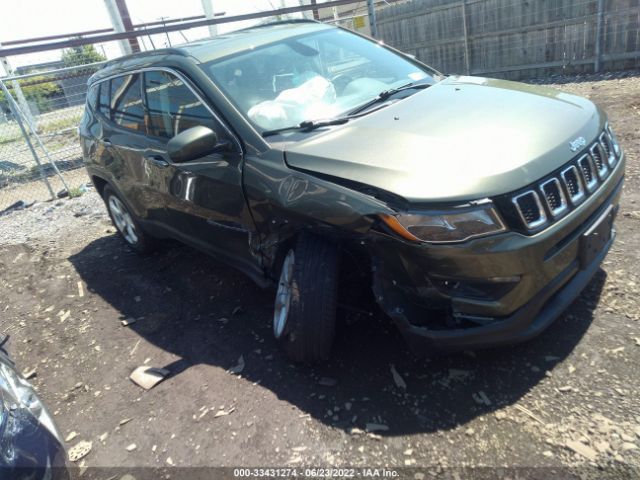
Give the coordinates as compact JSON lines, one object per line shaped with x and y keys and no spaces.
{"x":459,"y":141}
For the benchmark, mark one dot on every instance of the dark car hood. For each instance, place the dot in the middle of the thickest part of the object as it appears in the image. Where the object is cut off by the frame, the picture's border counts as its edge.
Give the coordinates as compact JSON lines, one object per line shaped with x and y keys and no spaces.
{"x":462,"y":139}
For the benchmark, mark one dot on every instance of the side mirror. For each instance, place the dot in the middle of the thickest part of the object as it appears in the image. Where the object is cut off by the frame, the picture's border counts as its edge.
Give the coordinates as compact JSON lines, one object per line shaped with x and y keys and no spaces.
{"x":193,"y":143}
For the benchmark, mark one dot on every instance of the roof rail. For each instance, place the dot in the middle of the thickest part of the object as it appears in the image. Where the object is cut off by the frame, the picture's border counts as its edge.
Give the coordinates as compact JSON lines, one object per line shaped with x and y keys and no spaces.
{"x":146,"y":53}
{"x":278,"y":22}
{"x":178,"y":51}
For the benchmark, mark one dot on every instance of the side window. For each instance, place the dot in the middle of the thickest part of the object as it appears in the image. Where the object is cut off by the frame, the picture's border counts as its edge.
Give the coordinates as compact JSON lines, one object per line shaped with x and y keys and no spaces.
{"x":103,"y":99}
{"x":92,"y":97}
{"x":126,"y":102}
{"x":173,"y":108}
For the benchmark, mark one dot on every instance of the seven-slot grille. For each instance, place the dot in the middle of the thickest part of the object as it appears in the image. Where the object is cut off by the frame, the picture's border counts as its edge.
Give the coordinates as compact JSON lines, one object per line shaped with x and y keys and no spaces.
{"x":588,"y":169}
{"x":530,"y":209}
{"x":557,"y":194}
{"x":552,"y":192}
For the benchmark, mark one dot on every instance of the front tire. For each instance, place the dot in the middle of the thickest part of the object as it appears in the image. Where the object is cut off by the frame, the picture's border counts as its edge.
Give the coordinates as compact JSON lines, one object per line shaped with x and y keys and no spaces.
{"x":305,"y":307}
{"x":126,"y":223}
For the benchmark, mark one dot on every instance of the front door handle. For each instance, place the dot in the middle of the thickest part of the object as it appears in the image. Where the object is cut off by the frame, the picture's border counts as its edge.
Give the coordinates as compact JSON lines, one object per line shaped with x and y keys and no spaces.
{"x":106,"y":142}
{"x":157,"y":160}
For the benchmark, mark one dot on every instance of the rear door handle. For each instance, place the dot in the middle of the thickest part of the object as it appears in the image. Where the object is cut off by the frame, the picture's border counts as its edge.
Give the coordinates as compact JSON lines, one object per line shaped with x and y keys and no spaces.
{"x":157,"y":160}
{"x":106,"y":142}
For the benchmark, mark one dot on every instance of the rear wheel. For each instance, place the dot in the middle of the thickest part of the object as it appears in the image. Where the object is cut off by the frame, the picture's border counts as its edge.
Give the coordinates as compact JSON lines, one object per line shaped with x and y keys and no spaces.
{"x":125,"y":222}
{"x":305,"y":306}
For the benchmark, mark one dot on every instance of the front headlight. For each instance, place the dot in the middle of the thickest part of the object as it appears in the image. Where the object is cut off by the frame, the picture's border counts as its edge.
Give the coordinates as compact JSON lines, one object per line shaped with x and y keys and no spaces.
{"x":455,"y":225}
{"x":18,"y":393}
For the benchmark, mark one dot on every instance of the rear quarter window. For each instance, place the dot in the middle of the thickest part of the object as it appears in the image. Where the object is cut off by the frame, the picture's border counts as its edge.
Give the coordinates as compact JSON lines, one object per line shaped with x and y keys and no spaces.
{"x":103,"y":99}
{"x":92,"y":97}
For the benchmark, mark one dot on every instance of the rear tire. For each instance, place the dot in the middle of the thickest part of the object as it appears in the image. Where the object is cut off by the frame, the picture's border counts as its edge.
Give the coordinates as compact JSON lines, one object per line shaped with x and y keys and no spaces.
{"x":305,"y":307}
{"x":126,"y":223}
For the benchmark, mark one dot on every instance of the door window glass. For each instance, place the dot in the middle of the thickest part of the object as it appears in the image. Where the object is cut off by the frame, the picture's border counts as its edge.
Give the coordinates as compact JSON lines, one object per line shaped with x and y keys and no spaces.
{"x":126,"y":102}
{"x":172,"y":107}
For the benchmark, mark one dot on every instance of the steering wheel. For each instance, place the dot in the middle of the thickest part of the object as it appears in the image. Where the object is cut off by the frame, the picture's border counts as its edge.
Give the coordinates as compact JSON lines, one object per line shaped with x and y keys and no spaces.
{"x":340,"y":82}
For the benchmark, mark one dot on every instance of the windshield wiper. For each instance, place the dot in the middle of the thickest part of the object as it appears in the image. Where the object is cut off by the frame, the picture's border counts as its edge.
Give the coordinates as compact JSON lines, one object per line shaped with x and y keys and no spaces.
{"x":308,"y":125}
{"x":385,"y":94}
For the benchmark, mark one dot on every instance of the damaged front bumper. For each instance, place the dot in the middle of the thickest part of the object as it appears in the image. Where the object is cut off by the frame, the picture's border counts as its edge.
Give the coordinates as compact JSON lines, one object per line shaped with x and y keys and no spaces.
{"x":492,"y":291}
{"x":529,"y":321}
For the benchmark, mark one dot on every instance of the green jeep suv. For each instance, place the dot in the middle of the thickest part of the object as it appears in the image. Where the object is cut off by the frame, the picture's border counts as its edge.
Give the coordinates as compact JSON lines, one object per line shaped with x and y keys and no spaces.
{"x":477,"y":208}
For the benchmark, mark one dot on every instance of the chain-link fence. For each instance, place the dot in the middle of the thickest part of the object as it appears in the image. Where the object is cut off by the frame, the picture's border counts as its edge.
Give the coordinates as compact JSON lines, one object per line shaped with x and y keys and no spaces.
{"x":40,"y":154}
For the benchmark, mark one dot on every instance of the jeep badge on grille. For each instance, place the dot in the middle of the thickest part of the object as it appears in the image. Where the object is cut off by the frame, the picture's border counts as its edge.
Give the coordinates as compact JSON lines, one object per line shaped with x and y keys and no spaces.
{"x":577,"y":144}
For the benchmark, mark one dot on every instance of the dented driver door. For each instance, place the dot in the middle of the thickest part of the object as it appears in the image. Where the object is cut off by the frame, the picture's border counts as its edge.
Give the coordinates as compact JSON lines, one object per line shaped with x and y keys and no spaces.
{"x":204,"y":203}
{"x":207,"y":199}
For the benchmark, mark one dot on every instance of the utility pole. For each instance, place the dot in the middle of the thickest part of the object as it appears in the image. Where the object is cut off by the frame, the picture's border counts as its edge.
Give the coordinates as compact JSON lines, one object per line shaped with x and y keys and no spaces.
{"x":121,"y":22}
{"x":128,"y":25}
{"x":207,"y":7}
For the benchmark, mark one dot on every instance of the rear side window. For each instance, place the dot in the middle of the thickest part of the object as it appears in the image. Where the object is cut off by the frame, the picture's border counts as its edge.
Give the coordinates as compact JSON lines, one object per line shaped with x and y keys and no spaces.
{"x":92,"y":97}
{"x":103,"y":99}
{"x":126,"y":102}
{"x":172,"y":107}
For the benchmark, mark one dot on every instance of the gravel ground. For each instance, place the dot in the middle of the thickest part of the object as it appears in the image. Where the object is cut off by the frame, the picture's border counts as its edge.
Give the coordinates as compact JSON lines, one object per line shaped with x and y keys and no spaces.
{"x":566,"y":399}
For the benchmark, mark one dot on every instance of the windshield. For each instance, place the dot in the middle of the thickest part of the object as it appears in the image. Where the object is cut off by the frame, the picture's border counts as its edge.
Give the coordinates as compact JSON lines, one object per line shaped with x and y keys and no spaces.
{"x":310,"y":77}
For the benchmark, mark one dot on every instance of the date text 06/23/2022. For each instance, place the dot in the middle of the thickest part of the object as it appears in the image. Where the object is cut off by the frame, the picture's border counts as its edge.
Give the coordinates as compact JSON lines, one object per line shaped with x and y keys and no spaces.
{"x":364,"y":472}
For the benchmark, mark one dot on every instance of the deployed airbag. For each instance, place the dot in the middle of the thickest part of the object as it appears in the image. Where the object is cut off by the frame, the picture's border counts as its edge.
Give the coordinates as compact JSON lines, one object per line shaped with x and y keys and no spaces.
{"x":312,"y":100}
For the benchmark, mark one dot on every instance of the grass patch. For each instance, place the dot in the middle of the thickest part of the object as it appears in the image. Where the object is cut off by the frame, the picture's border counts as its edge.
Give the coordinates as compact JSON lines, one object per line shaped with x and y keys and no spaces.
{"x":7,"y":140}
{"x":75,"y":192}
{"x":53,"y":126}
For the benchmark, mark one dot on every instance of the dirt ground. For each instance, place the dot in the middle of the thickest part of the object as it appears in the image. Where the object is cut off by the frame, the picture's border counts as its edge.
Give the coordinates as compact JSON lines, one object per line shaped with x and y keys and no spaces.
{"x":569,"y":398}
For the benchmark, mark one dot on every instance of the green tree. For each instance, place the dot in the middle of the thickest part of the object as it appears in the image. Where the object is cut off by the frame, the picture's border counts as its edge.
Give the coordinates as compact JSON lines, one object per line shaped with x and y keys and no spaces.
{"x":40,"y":90}
{"x":81,"y":55}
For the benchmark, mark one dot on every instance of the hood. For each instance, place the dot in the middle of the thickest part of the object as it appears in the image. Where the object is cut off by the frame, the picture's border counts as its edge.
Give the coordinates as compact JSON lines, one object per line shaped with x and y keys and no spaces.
{"x":462,"y":139}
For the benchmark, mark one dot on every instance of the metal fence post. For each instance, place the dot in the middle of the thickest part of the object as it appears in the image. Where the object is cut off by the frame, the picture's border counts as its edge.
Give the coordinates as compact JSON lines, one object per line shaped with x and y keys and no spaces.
{"x":599,"y":37}
{"x":18,"y":118}
{"x":373,"y":24}
{"x":467,"y":60}
{"x":8,"y":70}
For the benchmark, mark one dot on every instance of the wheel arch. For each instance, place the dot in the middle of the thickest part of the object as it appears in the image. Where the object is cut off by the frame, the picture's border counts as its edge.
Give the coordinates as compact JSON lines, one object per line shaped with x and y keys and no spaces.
{"x":99,"y":183}
{"x":282,"y":246}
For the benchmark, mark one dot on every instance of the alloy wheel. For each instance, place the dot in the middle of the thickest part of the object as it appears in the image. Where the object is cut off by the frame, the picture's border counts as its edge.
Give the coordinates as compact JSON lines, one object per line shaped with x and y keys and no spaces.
{"x":122,"y":219}
{"x":283,"y":295}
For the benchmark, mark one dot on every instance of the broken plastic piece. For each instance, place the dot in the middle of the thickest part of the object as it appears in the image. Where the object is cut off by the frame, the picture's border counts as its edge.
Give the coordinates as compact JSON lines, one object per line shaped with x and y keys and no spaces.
{"x":79,"y":450}
{"x":148,"y":377}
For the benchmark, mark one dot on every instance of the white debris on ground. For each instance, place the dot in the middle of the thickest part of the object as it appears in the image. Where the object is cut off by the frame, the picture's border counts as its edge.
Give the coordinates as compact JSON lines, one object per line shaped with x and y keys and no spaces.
{"x":52,"y":220}
{"x":79,"y":450}
{"x":567,"y":399}
{"x":148,"y":377}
